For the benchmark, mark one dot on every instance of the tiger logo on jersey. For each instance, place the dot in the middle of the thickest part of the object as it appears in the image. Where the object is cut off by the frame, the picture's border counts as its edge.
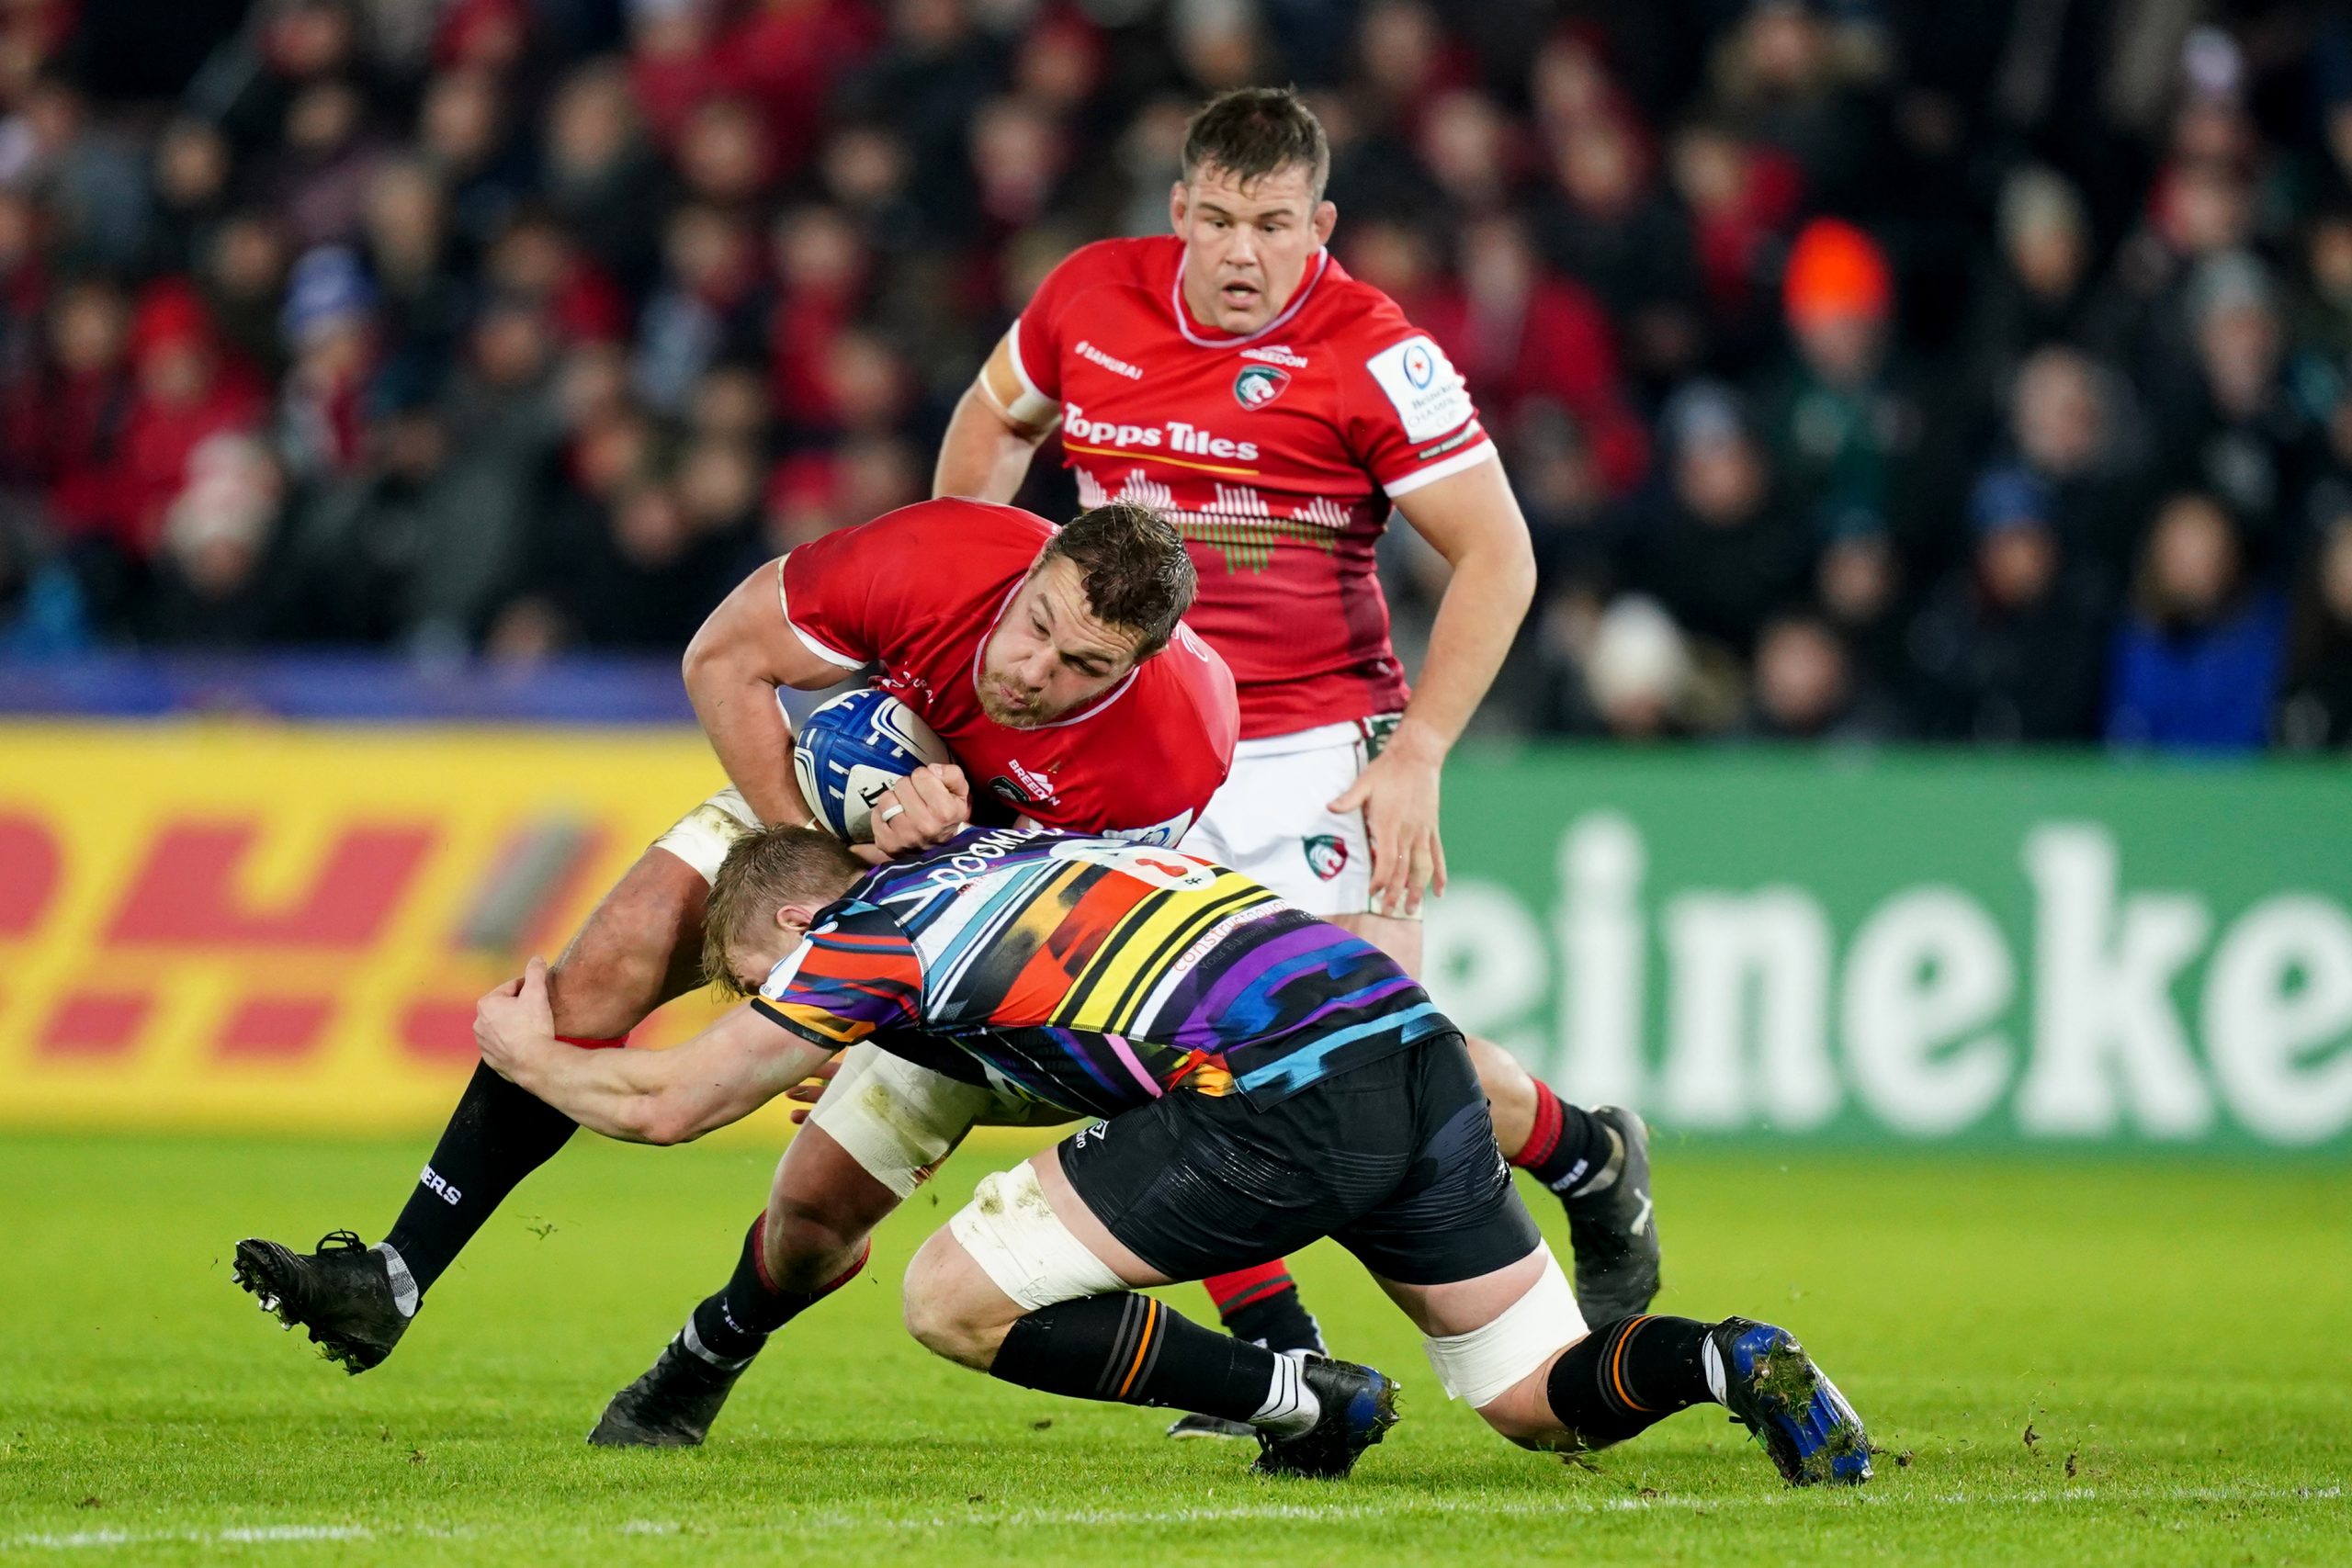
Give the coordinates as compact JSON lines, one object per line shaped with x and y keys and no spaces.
{"x":1258,"y":385}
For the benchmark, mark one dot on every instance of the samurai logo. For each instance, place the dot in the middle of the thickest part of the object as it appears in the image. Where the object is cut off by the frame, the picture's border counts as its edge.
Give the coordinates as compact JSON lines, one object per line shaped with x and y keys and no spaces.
{"x":1258,"y":385}
{"x":1326,"y":855}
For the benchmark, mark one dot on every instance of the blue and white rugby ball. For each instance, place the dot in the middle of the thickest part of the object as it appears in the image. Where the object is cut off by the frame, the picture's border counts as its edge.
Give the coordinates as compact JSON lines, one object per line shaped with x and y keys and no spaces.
{"x":853,"y":748}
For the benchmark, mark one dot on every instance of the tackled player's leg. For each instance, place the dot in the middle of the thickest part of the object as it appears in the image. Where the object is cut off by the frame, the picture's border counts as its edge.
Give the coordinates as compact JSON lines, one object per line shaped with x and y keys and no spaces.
{"x":1027,"y":1285}
{"x":640,"y":947}
{"x":876,"y":1134}
{"x":812,"y":1239}
{"x":1034,"y":1280}
{"x":1596,"y":1162}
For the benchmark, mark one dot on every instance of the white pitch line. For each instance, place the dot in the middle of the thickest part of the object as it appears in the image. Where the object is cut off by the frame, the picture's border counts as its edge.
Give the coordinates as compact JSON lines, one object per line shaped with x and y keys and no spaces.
{"x":1236,"y":1513}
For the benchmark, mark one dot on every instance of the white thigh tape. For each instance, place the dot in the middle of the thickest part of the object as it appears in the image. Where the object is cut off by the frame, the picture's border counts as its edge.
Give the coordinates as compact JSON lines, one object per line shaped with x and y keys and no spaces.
{"x":1012,"y":1232}
{"x":704,"y":835}
{"x":896,"y":1119}
{"x":1481,"y":1365}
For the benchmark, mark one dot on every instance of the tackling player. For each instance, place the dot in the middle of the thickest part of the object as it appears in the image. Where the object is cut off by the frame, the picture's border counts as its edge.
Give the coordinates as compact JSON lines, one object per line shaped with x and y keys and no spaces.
{"x":1054,"y":666}
{"x":1233,"y":375}
{"x":1265,"y":1079}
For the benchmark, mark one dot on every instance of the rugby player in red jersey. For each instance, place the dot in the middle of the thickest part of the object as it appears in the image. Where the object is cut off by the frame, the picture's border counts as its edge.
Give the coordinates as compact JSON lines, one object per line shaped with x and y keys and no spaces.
{"x":1056,"y":669}
{"x":1234,"y":376}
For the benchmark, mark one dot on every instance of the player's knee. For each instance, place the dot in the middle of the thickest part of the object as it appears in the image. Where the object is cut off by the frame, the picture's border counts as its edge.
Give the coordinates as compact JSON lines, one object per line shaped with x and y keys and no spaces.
{"x":1524,"y":1416}
{"x":1502,"y":1367}
{"x":944,"y":1319}
{"x":1504,"y":1082}
{"x":806,"y":1246}
{"x":639,"y":947}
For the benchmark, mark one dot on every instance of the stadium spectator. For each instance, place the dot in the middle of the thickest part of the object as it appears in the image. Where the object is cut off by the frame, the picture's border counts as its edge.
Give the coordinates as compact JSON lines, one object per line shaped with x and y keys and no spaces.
{"x":1806,"y":689}
{"x":2197,"y":659}
{"x":595,"y":261}
{"x":42,"y":611}
{"x":1717,"y":542}
{"x":1638,"y":674}
{"x":2234,"y":429}
{"x":2317,"y":709}
{"x":2036,"y":292}
{"x":2009,"y":647}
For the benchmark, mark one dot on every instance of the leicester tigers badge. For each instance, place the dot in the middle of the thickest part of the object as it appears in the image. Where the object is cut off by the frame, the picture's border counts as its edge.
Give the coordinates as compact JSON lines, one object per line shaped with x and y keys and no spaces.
{"x":1258,"y":385}
{"x":1326,"y":855}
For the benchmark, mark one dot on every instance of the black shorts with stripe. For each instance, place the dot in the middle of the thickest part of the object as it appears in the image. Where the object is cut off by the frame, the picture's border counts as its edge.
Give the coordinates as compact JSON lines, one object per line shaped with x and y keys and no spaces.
{"x":1395,"y":1160}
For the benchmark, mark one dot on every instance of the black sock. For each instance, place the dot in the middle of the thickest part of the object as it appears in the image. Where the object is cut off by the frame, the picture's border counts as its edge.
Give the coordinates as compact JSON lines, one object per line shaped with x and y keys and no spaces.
{"x":1133,"y":1350}
{"x":498,"y":1134}
{"x":1567,"y":1146}
{"x":1633,"y":1374}
{"x":733,"y":1323}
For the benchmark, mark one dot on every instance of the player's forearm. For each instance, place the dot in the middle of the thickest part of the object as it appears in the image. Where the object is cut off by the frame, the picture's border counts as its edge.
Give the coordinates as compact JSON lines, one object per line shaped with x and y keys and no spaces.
{"x":1477,"y":619}
{"x":618,"y":1093}
{"x":982,"y":455}
{"x":675,"y":1096}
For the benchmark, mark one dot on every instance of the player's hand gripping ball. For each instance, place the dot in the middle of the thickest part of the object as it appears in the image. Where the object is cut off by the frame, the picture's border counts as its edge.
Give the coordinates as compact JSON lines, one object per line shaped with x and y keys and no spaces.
{"x":853,"y":748}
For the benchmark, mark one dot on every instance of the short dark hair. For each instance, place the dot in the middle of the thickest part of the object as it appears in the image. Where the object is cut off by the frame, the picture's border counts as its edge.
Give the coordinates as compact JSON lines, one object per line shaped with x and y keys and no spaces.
{"x":1254,"y":132}
{"x":1132,"y":563}
{"x":764,"y":869}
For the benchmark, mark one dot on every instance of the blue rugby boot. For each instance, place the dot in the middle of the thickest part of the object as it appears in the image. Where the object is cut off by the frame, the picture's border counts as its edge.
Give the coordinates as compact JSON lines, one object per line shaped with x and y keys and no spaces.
{"x":1358,"y":1406}
{"x":1772,"y":1388}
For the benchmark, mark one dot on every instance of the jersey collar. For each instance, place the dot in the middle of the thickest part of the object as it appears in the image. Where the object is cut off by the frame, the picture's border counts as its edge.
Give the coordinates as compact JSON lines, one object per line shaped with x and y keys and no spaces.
{"x":1198,"y":339}
{"x":1083,"y":712}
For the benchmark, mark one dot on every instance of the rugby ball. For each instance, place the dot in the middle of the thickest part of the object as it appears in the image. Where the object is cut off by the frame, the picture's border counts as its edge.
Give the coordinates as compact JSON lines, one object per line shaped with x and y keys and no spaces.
{"x":853,"y":747}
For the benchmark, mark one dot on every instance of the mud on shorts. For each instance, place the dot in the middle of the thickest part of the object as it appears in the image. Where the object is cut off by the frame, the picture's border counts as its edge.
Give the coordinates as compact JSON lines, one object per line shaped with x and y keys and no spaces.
{"x":1395,"y":1160}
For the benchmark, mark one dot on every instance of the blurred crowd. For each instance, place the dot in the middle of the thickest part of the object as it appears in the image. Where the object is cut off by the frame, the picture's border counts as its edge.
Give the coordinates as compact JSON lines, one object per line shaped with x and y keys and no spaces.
{"x":1868,"y":370}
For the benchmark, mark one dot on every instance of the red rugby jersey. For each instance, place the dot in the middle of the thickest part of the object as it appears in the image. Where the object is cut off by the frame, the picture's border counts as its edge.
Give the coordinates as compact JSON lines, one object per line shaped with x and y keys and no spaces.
{"x":918,"y":591}
{"x":1277,"y":454}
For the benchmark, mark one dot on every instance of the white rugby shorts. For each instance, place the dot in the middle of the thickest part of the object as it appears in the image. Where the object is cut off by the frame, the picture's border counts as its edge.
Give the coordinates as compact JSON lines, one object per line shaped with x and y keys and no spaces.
{"x":1272,"y":821}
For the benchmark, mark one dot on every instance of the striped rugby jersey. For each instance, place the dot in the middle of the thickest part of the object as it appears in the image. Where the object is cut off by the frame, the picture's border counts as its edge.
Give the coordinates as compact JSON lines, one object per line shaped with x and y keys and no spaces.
{"x":1094,"y":975}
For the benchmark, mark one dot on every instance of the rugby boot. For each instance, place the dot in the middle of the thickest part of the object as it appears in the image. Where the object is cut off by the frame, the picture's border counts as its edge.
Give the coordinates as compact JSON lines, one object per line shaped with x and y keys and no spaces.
{"x":1614,"y":1233}
{"x":344,"y":1294}
{"x":671,"y":1405}
{"x":1359,"y":1406}
{"x":1772,"y":1388}
{"x":1198,"y":1425}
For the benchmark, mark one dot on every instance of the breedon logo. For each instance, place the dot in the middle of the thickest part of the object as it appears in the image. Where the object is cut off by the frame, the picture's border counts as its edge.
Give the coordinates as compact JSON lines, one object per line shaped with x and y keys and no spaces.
{"x":1258,"y":385}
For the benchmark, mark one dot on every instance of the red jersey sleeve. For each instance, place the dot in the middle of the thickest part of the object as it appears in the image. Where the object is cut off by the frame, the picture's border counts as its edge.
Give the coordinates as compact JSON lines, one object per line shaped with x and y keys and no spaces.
{"x":857,"y":593}
{"x":1405,"y":413}
{"x":1036,"y":337}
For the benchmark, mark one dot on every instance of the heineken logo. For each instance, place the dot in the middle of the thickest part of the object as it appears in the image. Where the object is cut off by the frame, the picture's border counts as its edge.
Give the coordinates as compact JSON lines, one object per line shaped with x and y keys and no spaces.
{"x":1326,"y":855}
{"x":1258,"y":385}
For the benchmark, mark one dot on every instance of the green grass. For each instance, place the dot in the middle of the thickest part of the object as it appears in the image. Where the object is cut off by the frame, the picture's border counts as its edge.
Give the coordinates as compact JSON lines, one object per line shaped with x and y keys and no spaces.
{"x":2173,"y":1337}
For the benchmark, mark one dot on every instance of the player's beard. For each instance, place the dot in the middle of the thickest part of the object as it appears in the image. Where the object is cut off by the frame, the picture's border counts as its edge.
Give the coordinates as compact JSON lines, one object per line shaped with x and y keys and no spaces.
{"x":1030,"y":715}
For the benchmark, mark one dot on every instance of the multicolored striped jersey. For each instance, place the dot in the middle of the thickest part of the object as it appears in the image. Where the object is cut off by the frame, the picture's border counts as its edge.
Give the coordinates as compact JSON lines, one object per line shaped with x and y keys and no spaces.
{"x":1094,"y":975}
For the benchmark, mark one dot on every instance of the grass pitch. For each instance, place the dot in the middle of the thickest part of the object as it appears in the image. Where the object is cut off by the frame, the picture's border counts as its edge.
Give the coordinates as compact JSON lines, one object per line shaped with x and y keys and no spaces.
{"x":2081,"y":1362}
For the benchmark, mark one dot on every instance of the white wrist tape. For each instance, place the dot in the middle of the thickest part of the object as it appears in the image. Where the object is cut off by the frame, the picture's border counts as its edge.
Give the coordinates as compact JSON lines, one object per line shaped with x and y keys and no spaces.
{"x":1484,"y":1364}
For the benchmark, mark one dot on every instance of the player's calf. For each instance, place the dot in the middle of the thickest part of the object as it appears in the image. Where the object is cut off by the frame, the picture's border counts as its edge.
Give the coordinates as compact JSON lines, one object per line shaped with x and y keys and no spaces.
{"x":674,"y":1403}
{"x":1007,"y":1289}
{"x":1596,"y":1163}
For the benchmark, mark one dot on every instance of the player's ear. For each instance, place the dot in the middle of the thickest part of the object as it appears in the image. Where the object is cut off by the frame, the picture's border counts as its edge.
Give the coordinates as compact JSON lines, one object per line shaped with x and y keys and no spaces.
{"x":1179,"y":202}
{"x":1325,"y":219}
